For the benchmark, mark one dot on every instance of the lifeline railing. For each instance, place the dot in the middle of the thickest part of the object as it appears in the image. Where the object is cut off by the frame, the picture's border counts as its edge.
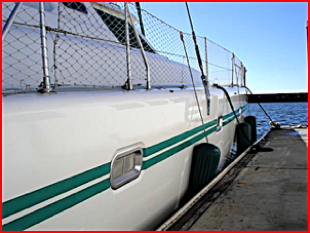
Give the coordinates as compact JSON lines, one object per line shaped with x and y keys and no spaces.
{"x":48,"y":45}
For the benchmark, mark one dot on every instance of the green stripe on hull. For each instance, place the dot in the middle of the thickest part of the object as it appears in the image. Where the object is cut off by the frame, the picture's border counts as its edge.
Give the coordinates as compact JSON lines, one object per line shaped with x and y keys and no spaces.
{"x":228,"y":121}
{"x":57,"y":207}
{"x":174,"y":150}
{"x":158,"y":147}
{"x":228,"y":116}
{"x":30,"y":199}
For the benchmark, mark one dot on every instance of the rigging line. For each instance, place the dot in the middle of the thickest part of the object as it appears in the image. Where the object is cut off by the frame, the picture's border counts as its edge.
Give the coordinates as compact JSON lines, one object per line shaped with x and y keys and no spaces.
{"x":203,"y":77}
{"x":138,"y":7}
{"x":259,"y":104}
{"x":194,"y":86}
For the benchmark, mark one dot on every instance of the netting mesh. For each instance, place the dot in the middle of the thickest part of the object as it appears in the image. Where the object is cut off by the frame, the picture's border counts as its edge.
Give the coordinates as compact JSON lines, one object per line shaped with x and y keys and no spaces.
{"x":21,"y":51}
{"x":219,"y":64}
{"x":87,"y":47}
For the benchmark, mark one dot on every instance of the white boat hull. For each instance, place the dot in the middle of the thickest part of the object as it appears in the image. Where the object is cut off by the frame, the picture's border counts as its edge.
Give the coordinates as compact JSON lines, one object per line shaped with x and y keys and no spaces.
{"x":48,"y":139}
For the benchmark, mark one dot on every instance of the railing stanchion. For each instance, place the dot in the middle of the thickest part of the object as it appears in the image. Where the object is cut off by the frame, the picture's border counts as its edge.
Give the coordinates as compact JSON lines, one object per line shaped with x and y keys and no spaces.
{"x":232,"y":69}
{"x":128,"y":58}
{"x":45,"y":86}
{"x":148,"y":77}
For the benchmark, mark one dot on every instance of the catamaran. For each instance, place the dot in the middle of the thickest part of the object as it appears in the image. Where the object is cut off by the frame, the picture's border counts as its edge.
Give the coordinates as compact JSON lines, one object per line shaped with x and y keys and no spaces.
{"x":103,"y":109}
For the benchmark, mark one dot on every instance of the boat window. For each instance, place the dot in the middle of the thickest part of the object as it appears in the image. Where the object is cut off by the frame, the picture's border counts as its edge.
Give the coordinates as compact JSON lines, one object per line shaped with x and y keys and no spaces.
{"x":117,"y":27}
{"x":76,"y":6}
{"x":47,"y":5}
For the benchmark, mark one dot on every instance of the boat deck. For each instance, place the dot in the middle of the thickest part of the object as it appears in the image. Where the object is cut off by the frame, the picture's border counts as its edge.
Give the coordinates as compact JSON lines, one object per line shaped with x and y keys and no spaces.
{"x":269,"y":191}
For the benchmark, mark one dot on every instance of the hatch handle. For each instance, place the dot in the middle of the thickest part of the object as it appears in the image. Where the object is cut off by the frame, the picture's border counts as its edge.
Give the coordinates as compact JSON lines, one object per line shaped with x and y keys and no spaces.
{"x":126,"y":166}
{"x":219,"y":123}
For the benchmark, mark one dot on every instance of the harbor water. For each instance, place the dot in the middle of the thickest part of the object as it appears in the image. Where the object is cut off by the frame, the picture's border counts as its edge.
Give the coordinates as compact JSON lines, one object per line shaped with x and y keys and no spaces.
{"x":285,"y":113}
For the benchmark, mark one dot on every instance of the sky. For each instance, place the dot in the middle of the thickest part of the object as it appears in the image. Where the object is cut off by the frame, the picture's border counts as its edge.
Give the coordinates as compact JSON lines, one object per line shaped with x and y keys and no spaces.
{"x":269,"y":38}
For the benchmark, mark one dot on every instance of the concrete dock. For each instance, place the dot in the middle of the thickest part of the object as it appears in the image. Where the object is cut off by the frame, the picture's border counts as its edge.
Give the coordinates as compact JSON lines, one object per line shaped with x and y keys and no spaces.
{"x":268,"y":190}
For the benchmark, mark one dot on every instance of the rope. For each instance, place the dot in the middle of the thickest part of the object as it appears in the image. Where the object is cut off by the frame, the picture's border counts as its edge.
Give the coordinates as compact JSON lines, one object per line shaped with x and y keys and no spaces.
{"x":232,"y":108}
{"x":195,"y":91}
{"x":271,"y":121}
{"x":228,"y":99}
{"x":254,"y":148}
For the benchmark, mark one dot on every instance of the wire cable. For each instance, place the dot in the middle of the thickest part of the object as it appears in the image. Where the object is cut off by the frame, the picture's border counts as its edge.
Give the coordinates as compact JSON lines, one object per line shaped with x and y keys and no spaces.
{"x":194,"y":86}
{"x":260,"y":105}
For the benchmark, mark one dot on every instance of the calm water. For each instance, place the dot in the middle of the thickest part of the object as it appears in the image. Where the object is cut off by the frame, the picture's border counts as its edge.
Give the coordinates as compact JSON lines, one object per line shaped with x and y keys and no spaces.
{"x":285,"y":113}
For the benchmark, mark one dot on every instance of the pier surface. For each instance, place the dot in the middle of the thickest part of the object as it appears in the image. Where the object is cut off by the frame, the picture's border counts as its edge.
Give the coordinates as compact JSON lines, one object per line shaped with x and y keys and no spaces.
{"x":270,"y":192}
